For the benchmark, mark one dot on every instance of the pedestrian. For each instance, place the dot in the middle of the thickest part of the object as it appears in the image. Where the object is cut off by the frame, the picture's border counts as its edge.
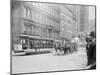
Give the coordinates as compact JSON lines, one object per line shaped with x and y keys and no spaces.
{"x":88,"y":40}
{"x":55,"y":46}
{"x":91,"y":50}
{"x":36,"y":47}
{"x":65,"y":49}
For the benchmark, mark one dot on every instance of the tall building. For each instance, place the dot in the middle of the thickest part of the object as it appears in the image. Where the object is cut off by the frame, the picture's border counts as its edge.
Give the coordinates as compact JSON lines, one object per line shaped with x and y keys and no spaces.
{"x":76,"y":17}
{"x":92,"y":18}
{"x":92,"y":25}
{"x":43,"y":23}
{"x":84,"y":18}
{"x":34,"y":23}
{"x":68,"y":24}
{"x":86,"y":21}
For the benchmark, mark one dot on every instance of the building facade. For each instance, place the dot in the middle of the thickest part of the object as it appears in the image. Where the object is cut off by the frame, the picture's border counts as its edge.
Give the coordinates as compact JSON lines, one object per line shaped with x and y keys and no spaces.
{"x":84,"y":18}
{"x":68,"y":24}
{"x":34,"y":23}
{"x":41,"y":24}
{"x":84,"y":22}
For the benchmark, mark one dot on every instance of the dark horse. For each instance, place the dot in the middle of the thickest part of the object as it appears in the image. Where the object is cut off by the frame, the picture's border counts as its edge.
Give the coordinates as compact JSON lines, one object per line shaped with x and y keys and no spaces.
{"x":65,"y":49}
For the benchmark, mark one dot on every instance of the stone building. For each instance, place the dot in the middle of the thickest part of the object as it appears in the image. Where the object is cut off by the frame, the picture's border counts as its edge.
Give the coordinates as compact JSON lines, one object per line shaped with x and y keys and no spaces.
{"x":69,"y":23}
{"x":39,"y":23}
{"x":34,"y":23}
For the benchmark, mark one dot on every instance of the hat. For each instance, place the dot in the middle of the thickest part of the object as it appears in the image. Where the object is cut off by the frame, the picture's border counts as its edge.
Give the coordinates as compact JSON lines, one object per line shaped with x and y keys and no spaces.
{"x":88,"y":39}
{"x":92,"y":34}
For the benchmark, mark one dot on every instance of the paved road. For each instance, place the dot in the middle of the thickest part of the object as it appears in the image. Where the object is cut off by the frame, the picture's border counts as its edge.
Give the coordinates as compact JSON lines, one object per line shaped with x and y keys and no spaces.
{"x":49,"y":62}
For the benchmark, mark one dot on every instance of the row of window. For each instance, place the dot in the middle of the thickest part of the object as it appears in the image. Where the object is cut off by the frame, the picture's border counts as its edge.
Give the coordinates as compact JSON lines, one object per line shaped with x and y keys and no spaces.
{"x":39,"y":17}
{"x":66,"y":11}
{"x":67,"y":19}
{"x":32,"y":29}
{"x":43,"y":19}
{"x":46,"y":8}
{"x":66,"y":29}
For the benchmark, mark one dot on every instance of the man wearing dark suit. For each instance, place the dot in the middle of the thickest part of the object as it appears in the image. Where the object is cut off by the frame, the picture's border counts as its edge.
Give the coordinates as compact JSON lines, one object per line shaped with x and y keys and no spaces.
{"x":91,"y":51}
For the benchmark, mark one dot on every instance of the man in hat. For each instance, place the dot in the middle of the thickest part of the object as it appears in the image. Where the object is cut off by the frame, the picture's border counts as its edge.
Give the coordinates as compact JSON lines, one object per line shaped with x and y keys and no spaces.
{"x":91,"y":51}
